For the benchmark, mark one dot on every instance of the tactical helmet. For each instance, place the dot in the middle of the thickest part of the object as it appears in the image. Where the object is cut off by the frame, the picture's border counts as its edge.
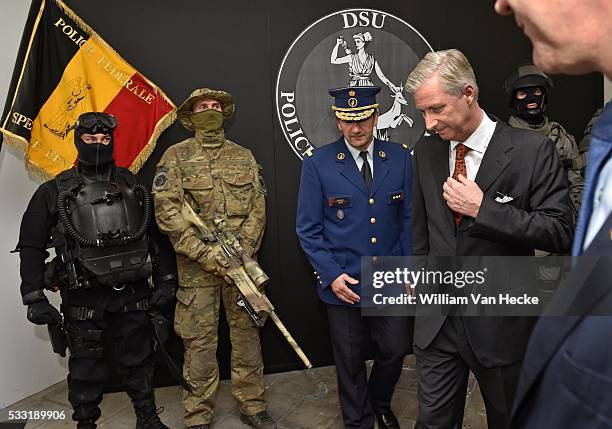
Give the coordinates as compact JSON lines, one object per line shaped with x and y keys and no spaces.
{"x":183,"y":113}
{"x":527,"y":75}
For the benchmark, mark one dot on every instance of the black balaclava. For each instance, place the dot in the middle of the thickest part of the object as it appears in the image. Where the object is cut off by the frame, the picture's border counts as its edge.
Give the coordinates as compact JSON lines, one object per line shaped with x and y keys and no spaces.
{"x":94,"y":158}
{"x":535,"y":115}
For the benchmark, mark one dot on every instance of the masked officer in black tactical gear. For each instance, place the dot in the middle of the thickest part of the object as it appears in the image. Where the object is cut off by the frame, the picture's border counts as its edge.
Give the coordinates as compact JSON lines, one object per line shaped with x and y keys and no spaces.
{"x":528,"y":89}
{"x":96,"y":216}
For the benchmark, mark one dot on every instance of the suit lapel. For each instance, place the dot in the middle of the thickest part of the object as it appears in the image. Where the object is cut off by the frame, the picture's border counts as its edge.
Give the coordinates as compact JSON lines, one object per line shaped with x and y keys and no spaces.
{"x":495,"y":159}
{"x":571,"y":303}
{"x":598,"y":151}
{"x":380,"y":168}
{"x":545,"y":341}
{"x":440,"y":170}
{"x":348,"y":167}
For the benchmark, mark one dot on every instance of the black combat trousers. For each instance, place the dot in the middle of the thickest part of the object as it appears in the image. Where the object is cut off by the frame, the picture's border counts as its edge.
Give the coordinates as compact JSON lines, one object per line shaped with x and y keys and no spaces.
{"x":130,"y":337}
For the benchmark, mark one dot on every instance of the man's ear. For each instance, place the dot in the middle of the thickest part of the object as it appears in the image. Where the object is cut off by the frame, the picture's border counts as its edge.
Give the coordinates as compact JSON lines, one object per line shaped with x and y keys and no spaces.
{"x":470,"y":93}
{"x":338,"y":124}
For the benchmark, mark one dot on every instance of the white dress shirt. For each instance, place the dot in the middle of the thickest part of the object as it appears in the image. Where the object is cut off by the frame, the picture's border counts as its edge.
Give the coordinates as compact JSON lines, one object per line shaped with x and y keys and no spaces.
{"x":477,"y":143}
{"x":358,"y":159}
{"x":602,"y":203}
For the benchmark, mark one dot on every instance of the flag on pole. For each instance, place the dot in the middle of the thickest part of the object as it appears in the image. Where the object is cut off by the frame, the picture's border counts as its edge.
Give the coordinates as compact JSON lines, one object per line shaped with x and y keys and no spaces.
{"x":64,"y":69}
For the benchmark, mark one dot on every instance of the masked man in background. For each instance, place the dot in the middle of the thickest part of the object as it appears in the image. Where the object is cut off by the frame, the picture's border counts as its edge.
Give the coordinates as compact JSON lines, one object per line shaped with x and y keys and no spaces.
{"x":528,"y":89}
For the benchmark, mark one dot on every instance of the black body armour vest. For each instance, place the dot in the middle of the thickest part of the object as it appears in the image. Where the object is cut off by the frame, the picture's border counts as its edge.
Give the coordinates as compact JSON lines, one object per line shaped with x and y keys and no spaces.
{"x":103,"y":228}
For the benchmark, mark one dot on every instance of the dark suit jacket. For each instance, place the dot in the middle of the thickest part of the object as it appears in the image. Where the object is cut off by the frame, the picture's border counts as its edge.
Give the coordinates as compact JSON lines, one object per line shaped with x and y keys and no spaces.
{"x":566,"y":381}
{"x":518,"y":163}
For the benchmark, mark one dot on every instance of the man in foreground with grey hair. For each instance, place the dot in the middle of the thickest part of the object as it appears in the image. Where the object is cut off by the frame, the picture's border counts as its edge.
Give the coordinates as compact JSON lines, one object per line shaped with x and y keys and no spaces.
{"x":506,"y":195}
{"x":567,"y":377}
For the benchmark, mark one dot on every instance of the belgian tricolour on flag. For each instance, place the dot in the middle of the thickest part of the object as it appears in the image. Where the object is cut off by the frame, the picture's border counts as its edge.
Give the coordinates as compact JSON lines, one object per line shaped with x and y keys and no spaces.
{"x":64,"y":69}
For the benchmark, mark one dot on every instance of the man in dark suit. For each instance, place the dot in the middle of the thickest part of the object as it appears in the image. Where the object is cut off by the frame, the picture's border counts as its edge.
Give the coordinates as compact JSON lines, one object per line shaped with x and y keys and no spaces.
{"x":567,"y":375}
{"x":566,"y":380}
{"x":354,"y":201}
{"x":507,"y":196}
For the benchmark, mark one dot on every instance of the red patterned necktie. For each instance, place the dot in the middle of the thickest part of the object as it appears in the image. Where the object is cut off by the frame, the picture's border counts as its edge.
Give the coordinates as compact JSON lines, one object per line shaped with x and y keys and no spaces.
{"x":460,"y":151}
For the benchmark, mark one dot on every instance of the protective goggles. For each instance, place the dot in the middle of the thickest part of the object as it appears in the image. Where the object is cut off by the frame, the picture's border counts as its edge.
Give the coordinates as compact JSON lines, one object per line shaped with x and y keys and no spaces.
{"x":90,"y":119}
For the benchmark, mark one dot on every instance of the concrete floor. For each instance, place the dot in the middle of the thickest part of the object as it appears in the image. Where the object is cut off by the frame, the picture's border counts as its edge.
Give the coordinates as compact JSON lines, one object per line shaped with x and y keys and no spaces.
{"x":295,"y":399}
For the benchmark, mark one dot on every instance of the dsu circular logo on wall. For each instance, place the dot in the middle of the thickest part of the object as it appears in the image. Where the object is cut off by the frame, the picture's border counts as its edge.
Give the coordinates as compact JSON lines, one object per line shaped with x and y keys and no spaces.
{"x":353,"y":47}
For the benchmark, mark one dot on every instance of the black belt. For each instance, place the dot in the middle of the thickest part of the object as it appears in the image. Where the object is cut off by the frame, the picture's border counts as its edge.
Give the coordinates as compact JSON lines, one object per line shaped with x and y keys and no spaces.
{"x":94,"y":335}
{"x":89,"y":313}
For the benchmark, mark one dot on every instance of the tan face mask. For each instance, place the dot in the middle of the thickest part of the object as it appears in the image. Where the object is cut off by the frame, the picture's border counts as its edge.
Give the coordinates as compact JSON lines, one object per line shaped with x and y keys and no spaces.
{"x":207,"y":120}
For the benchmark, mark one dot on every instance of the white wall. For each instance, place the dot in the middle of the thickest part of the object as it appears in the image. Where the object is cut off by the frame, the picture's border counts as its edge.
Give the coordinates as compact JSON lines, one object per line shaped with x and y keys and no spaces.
{"x":607,"y":89}
{"x":27,"y":363}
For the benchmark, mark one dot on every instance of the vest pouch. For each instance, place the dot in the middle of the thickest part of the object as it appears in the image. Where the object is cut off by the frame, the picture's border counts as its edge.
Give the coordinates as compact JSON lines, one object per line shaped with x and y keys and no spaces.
{"x":115,"y":265}
{"x":237,"y":188}
{"x":200,"y":189}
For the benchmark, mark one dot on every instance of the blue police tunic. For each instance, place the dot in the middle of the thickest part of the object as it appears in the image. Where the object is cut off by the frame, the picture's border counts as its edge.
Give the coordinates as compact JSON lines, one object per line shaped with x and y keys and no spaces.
{"x":339,"y":221}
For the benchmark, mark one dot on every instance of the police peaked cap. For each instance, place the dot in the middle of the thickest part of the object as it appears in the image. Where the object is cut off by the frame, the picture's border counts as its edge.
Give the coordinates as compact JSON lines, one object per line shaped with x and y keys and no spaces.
{"x":183,"y":113}
{"x":354,"y":103}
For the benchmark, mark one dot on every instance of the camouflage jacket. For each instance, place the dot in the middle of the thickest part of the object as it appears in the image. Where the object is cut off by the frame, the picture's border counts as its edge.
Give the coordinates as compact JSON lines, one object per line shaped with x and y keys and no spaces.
{"x":585,"y":143}
{"x":217,"y":181}
{"x":568,"y":152}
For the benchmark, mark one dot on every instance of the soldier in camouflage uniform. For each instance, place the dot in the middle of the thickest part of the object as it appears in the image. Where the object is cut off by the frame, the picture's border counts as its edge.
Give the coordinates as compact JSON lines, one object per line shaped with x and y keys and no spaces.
{"x":528,"y":87}
{"x":585,"y":143}
{"x":217,"y":178}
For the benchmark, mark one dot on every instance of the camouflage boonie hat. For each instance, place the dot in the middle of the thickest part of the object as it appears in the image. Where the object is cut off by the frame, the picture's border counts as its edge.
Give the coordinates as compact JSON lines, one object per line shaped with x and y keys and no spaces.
{"x":183,"y":113}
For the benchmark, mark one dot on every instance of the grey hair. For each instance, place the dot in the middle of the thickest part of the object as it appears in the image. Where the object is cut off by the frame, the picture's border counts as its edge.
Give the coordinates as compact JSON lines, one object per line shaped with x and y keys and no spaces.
{"x":452,"y":68}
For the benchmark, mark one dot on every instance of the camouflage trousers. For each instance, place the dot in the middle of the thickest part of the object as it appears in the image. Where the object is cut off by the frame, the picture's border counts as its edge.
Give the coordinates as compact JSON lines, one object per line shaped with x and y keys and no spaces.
{"x":196,"y":321}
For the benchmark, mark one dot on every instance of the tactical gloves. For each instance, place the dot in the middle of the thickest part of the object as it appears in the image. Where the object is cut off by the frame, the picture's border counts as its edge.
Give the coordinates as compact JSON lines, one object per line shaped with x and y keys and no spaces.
{"x":163,"y":294}
{"x":42,"y":313}
{"x":213,"y":261}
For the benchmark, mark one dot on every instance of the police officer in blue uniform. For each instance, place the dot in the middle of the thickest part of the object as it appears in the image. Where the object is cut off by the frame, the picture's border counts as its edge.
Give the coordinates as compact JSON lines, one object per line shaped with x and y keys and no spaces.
{"x":354,"y":201}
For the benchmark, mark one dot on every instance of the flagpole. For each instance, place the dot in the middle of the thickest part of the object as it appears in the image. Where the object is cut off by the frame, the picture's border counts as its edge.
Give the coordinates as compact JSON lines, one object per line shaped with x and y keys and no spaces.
{"x":25,"y":60}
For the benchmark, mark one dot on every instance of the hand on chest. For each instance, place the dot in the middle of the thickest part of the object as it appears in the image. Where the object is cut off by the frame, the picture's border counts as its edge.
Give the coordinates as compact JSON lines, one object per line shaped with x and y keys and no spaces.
{"x":505,"y":185}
